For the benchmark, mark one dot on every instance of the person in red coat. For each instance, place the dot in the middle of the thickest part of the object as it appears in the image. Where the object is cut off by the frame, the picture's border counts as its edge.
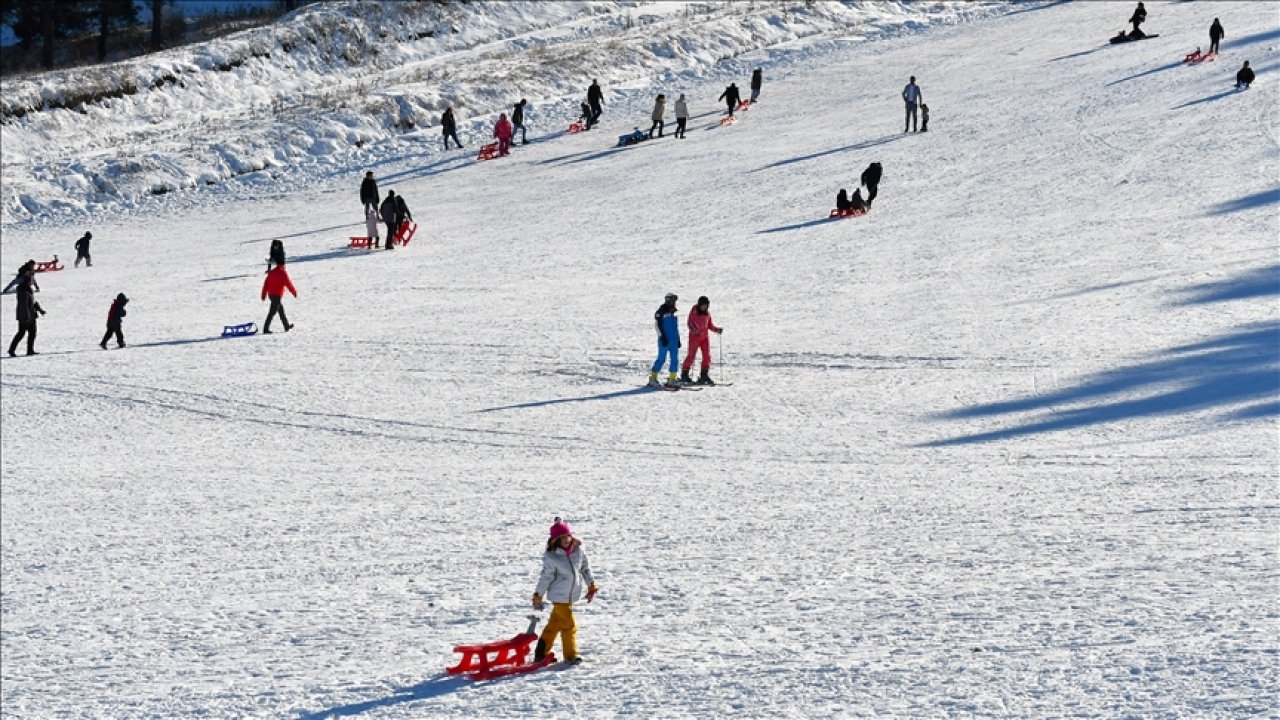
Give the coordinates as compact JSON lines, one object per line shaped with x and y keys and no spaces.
{"x":273,"y":287}
{"x":503,"y":131}
{"x":700,"y":328}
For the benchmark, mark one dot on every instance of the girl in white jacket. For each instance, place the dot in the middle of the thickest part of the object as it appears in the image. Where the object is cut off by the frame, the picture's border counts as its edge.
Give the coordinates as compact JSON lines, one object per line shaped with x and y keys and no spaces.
{"x":565,"y":573}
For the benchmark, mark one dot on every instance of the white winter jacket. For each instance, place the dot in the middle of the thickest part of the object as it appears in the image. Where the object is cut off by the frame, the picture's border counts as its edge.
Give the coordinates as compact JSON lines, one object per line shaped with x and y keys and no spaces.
{"x":682,"y":108}
{"x":564,"y":576}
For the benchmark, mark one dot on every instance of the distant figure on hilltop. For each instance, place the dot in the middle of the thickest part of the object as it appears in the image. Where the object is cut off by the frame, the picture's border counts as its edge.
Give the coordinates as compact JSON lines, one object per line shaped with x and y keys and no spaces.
{"x":912,"y":97}
{"x":682,"y":116}
{"x":871,"y":180}
{"x":502,"y":131}
{"x":595,"y":96}
{"x":449,"y":127}
{"x":1244,"y":78}
{"x":517,"y":121}
{"x":757,"y":79}
{"x":273,"y":287}
{"x":731,"y":97}
{"x":1216,"y":33}
{"x":115,"y":320}
{"x":82,"y":250}
{"x":659,"y":110}
{"x":1138,"y":17}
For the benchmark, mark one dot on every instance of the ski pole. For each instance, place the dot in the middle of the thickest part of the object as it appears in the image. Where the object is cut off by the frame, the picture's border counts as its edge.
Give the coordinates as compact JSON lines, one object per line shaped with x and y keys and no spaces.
{"x":720,"y":345}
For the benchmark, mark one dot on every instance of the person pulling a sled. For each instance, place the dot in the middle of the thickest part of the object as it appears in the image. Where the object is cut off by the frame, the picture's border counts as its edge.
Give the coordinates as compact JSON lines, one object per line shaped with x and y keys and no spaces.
{"x":668,"y":328}
{"x":700,"y":327}
{"x":1138,"y":17}
{"x":565,"y":573}
{"x":1216,"y":33}
{"x":871,"y":178}
{"x":731,"y":97}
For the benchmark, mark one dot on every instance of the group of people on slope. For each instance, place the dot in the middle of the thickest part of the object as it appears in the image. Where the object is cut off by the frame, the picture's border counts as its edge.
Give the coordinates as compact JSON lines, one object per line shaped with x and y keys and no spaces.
{"x":392,"y":210}
{"x":700,"y":325}
{"x":731,"y":95}
{"x":871,"y":181}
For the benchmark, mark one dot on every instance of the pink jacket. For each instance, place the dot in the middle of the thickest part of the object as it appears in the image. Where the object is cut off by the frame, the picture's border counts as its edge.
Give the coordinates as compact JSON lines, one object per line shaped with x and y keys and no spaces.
{"x":502,"y":130}
{"x":699,"y":324}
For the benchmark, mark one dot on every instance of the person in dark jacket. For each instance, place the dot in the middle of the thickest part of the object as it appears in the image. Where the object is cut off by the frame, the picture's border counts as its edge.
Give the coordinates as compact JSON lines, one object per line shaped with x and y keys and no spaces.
{"x":845,"y":203}
{"x":273,"y":287}
{"x":871,"y":180}
{"x":1244,"y":78}
{"x":28,"y":310}
{"x":114,"y":318}
{"x":587,"y":118}
{"x":731,"y":97}
{"x":1216,"y":33}
{"x":389,"y":212}
{"x":1138,"y":17}
{"x":517,"y":121}
{"x":403,"y":215}
{"x":276,"y":254}
{"x":82,"y":250}
{"x":924,"y":118}
{"x":450,"y":128}
{"x":757,"y":79}
{"x":369,"y":192}
{"x":595,"y":97}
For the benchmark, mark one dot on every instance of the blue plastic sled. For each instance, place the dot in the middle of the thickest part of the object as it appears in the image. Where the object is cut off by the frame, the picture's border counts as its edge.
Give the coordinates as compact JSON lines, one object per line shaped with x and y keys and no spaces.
{"x":632,"y":138}
{"x":239,"y":330}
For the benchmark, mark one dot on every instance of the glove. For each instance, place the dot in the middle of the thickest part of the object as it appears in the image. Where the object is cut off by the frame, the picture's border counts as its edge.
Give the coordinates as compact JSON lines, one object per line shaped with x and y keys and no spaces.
{"x":537,"y":602}
{"x":677,"y":343}
{"x":719,"y":330}
{"x":591,"y":593}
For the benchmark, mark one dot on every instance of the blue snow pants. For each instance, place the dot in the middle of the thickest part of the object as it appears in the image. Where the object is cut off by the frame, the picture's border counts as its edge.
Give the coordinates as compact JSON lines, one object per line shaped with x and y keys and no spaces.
{"x":663,"y":353}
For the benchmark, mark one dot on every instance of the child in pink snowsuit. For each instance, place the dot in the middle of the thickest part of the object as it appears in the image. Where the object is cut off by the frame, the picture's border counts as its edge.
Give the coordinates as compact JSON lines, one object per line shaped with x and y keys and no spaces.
{"x":700,"y":328}
{"x":503,"y":131}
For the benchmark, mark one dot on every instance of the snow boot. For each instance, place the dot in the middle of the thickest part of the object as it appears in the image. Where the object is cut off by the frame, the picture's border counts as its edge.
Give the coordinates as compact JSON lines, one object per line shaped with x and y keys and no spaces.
{"x":672,"y":381}
{"x":576,"y":660}
{"x":684,"y":377}
{"x":103,"y":344}
{"x":653,"y":380}
{"x":704,"y":379}
{"x":540,"y":650}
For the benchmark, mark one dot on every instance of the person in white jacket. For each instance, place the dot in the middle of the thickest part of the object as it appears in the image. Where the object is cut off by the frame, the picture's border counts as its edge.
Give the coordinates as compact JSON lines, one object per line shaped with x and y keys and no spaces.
{"x":565,"y":572}
{"x":682,"y":116}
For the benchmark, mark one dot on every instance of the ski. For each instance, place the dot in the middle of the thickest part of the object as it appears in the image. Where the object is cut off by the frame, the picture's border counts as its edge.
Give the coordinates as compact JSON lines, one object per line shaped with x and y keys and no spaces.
{"x":670,"y":388}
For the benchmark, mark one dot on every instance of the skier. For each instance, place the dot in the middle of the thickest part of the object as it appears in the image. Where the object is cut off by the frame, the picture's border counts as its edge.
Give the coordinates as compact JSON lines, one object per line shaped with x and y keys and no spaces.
{"x":403,"y":217}
{"x":699,"y":323}
{"x":1138,"y":17}
{"x":388,"y":211}
{"x":274,"y":286}
{"x":565,"y":570}
{"x":659,"y":108}
{"x":912,"y":96}
{"x":502,"y":131}
{"x":369,"y":191}
{"x":731,"y":96}
{"x":1244,"y":78}
{"x":844,"y":203}
{"x":595,"y":96}
{"x":682,"y":116}
{"x":871,"y":179}
{"x":114,"y":317}
{"x":276,"y":254}
{"x":82,"y":250}
{"x":449,"y":127}
{"x":371,"y":225}
{"x":1216,"y":33}
{"x":28,"y":309}
{"x":517,"y":121}
{"x":668,"y":328}
{"x":757,"y":79}
{"x":924,"y":118}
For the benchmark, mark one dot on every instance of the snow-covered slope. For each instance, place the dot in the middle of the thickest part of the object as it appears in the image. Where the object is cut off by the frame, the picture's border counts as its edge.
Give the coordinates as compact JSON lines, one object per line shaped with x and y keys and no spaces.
{"x":345,"y":82}
{"x":1005,"y":447}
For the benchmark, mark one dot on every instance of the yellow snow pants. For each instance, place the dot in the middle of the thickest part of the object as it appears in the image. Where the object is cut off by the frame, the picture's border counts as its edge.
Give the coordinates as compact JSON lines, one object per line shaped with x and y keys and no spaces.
{"x":562,"y":622}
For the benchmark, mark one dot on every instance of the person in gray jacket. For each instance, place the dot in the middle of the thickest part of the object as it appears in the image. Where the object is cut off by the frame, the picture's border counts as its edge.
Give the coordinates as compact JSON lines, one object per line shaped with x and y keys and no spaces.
{"x":659,"y":110}
{"x":565,"y":572}
{"x":682,"y":116}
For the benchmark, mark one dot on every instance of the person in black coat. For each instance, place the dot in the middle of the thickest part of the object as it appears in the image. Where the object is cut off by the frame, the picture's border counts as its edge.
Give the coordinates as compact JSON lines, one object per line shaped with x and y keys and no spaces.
{"x":517,"y":121}
{"x":369,"y":192}
{"x":402,"y":213}
{"x":757,"y":79}
{"x":450,"y":128}
{"x":388,"y":211}
{"x":595,"y":97}
{"x":82,"y":250}
{"x":28,"y":310}
{"x":731,"y":96}
{"x":115,"y":316}
{"x":871,"y":180}
{"x":1216,"y":33}
{"x":1138,"y":17}
{"x":1244,"y":78}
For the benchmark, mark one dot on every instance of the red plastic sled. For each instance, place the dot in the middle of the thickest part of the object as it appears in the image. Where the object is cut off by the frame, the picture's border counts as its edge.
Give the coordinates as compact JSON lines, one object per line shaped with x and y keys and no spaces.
{"x":488,"y":152}
{"x":847,"y":213}
{"x":361,"y":242}
{"x":728,"y":120}
{"x":744,"y":105}
{"x":405,"y":234}
{"x":49,"y":266}
{"x":1198,"y":57}
{"x":577,"y":127}
{"x":498,"y":659}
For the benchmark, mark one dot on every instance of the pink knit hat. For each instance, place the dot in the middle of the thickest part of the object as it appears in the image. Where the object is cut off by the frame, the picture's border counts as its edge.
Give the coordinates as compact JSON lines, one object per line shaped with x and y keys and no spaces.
{"x":560,"y":528}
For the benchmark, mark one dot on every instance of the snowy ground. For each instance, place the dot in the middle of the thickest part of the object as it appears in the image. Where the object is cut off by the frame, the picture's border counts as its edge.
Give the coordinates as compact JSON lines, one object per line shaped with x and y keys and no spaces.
{"x":1006,"y":447}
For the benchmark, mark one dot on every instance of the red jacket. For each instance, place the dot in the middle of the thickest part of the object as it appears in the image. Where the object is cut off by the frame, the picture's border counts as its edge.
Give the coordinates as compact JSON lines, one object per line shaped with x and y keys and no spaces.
{"x":502,"y":130}
{"x":276,"y":283}
{"x":699,"y":324}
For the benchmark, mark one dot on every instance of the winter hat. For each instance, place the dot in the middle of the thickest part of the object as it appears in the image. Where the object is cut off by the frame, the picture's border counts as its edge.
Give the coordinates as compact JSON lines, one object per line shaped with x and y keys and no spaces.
{"x":122,"y":298}
{"x":559,"y":529}
{"x":704,"y":300}
{"x":671,"y":296}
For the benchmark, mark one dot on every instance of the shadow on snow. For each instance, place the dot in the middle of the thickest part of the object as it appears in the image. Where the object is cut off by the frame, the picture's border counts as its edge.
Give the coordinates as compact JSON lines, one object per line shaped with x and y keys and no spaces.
{"x":602,"y":396}
{"x":1262,"y":282}
{"x":1209,"y":99}
{"x":1145,"y":73}
{"x":813,"y":156}
{"x":798,"y":226}
{"x":435,"y":687}
{"x":1258,"y":199}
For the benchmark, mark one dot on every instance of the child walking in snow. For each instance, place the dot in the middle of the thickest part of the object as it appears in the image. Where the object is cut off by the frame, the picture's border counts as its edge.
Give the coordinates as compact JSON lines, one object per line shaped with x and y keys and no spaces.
{"x":274,"y":286}
{"x":115,"y":316}
{"x":668,"y":328}
{"x":565,"y":571}
{"x":700,"y":328}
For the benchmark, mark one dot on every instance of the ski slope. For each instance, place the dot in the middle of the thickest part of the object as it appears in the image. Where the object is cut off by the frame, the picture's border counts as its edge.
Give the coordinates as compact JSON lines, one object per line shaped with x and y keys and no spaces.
{"x":1005,"y":447}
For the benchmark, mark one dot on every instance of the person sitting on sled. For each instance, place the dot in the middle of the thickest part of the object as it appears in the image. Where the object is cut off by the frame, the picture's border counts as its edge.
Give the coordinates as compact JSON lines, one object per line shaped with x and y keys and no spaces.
{"x":844,"y":203}
{"x":565,"y":571}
